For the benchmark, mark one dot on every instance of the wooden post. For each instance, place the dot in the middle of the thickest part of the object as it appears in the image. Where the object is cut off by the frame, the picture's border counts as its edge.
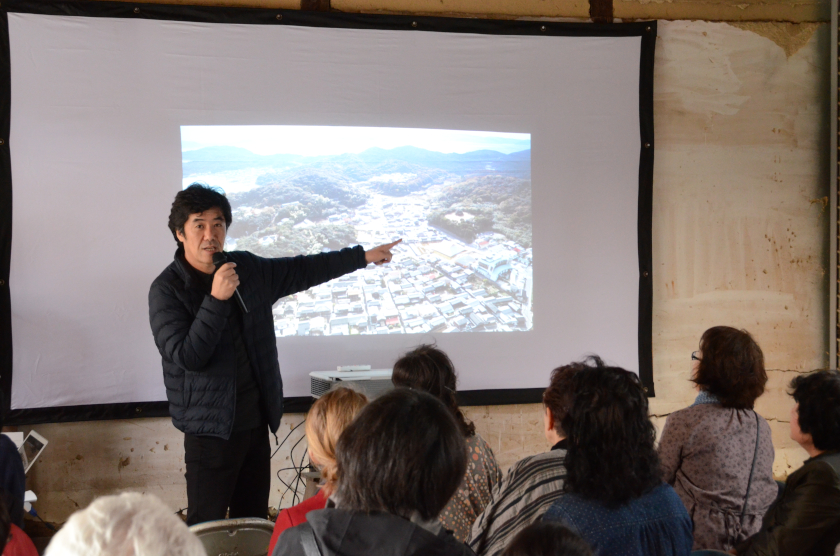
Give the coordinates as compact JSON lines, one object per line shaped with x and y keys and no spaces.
{"x":601,"y":11}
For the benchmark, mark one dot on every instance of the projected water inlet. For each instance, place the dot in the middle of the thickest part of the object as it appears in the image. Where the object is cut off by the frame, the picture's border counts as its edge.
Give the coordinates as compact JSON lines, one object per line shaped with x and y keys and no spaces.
{"x":461,"y":201}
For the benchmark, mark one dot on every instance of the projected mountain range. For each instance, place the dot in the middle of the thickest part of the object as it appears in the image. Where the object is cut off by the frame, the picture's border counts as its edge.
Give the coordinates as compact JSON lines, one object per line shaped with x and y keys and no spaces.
{"x":465,"y":263}
{"x":210,"y":160}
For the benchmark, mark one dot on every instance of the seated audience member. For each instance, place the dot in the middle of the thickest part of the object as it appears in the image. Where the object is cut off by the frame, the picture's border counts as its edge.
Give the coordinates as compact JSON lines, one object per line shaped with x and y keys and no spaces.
{"x":12,"y":476}
{"x":128,"y":524}
{"x":805,"y":520}
{"x":13,"y":541}
{"x":718,"y":453}
{"x":533,"y":484}
{"x":429,"y":369}
{"x":614,"y":495}
{"x":399,"y":462}
{"x":547,"y":539}
{"x":325,"y":422}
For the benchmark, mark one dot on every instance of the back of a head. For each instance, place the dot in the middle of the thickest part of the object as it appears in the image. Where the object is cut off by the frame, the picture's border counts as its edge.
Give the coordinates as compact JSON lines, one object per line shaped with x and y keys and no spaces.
{"x":403,"y":454}
{"x":429,"y":369}
{"x":544,"y":538}
{"x":326,"y":420}
{"x":611,"y":456}
{"x":818,"y":396}
{"x":559,"y":395}
{"x":731,"y":367}
{"x":128,"y":524}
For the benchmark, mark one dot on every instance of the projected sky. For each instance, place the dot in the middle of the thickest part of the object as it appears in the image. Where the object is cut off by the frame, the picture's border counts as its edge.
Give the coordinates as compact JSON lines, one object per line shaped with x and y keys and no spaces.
{"x":461,"y":201}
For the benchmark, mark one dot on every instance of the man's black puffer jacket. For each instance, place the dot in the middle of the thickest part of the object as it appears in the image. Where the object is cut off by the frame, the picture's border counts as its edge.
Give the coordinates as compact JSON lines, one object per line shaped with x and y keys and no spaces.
{"x":191,"y":332}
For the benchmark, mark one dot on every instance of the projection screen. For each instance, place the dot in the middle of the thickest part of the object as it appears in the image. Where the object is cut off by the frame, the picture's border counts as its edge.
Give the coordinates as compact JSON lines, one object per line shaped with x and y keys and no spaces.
{"x":514,"y":159}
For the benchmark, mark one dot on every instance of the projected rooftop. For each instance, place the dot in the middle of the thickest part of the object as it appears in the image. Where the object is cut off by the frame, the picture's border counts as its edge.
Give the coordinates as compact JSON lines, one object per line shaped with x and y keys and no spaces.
{"x":461,"y":201}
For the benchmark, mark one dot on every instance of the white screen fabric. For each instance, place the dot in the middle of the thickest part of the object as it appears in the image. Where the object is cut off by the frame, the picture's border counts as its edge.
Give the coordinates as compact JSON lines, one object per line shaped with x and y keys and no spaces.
{"x":98,"y":105}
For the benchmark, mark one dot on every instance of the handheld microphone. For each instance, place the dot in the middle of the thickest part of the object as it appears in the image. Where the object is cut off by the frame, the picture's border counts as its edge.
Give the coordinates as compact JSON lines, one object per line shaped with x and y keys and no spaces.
{"x":219,"y":259}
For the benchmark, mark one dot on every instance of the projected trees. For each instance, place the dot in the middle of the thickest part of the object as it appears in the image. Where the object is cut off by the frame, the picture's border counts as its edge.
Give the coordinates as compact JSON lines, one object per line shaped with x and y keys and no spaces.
{"x":464,"y":216}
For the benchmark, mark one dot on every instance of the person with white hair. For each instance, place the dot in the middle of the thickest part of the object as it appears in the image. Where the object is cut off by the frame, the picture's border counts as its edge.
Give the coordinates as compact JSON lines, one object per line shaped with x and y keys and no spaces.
{"x":128,"y":524}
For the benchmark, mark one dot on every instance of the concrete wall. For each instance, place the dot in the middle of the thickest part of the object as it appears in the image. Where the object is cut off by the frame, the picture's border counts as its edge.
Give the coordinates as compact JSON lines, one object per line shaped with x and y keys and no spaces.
{"x":740,"y":231}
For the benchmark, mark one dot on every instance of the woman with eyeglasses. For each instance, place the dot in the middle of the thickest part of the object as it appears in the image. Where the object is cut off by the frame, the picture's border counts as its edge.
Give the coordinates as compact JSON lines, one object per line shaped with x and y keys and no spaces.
{"x":718,"y":453}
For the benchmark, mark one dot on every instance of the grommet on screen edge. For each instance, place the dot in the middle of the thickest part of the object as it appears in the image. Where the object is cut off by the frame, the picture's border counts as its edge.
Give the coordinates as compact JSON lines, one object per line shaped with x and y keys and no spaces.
{"x":543,"y":28}
{"x":647,"y":29}
{"x":137,"y":10}
{"x":279,"y":17}
{"x":2,"y":142}
{"x":647,"y":145}
{"x":414,"y":24}
{"x":645,"y":274}
{"x":138,"y":409}
{"x":2,"y":282}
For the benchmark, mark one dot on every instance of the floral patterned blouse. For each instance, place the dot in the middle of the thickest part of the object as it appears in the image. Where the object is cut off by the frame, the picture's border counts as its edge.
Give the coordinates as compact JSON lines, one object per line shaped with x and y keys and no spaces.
{"x":707,"y":453}
{"x":474,"y":493}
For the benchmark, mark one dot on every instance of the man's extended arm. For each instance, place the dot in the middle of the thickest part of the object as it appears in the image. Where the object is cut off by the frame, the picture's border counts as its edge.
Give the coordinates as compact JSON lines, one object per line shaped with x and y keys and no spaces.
{"x":290,"y":275}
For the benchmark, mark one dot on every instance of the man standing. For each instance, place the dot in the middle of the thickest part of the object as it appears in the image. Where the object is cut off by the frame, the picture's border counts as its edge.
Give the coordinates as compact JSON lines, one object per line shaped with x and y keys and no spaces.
{"x":220,"y":364}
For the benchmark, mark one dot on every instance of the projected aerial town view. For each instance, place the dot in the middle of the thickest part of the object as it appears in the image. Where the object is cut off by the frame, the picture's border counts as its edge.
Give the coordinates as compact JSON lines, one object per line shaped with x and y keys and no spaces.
{"x":461,"y":201}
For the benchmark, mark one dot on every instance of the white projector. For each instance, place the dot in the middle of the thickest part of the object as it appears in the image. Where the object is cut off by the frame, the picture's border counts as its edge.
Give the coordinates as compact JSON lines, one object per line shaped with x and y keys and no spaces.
{"x":372,"y":382}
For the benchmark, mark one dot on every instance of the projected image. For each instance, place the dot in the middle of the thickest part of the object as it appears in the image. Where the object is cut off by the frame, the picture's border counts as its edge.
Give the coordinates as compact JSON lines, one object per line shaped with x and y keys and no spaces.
{"x":460,"y":200}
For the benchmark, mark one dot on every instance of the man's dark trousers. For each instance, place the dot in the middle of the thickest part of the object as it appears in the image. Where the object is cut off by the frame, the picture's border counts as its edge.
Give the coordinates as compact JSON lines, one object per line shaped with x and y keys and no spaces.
{"x":222,"y":474}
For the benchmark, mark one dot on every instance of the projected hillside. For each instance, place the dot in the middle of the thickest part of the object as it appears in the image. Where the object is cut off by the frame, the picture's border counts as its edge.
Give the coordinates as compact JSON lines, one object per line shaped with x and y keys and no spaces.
{"x":460,"y":200}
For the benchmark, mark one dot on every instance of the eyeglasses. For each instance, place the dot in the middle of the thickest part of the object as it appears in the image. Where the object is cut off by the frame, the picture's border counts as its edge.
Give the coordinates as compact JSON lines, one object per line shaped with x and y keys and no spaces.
{"x":695,"y":356}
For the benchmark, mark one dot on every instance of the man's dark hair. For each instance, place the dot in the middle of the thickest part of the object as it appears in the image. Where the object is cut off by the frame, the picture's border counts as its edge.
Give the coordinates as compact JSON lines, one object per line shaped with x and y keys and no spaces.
{"x":611,"y":456}
{"x":195,"y":199}
{"x":545,"y":538}
{"x":818,"y":396}
{"x":559,"y":395}
{"x":402,"y":454}
{"x":731,"y":367}
{"x":429,"y":369}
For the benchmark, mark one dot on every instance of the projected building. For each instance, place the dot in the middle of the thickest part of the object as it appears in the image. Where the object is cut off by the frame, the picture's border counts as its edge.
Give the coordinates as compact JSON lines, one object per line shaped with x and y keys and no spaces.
{"x":493,"y":266}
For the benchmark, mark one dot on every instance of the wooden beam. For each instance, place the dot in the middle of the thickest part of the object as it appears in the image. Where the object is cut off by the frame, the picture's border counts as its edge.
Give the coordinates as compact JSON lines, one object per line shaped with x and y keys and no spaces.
{"x":318,"y":5}
{"x":601,"y":11}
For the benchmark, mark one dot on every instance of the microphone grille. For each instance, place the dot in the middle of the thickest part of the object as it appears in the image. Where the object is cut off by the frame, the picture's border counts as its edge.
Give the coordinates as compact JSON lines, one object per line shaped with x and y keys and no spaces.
{"x":219,"y":258}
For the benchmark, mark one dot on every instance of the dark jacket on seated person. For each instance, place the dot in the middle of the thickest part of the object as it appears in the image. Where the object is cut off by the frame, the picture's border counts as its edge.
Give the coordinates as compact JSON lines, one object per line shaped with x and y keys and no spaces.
{"x":352,"y":533}
{"x":12,"y":479}
{"x":655,"y":524}
{"x":805,"y":520}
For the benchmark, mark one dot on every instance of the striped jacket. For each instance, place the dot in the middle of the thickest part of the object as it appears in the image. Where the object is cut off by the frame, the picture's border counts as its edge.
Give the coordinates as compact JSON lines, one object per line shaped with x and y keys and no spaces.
{"x":525,"y":493}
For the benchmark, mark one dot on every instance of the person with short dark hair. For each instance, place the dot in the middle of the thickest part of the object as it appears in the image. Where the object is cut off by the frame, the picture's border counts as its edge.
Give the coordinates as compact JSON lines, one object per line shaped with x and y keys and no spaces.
{"x":429,"y":369}
{"x":547,"y":539}
{"x":805,"y":520}
{"x":534,"y":483}
{"x":399,"y":463}
{"x":220,"y":365}
{"x":615,"y":498}
{"x":718,"y":453}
